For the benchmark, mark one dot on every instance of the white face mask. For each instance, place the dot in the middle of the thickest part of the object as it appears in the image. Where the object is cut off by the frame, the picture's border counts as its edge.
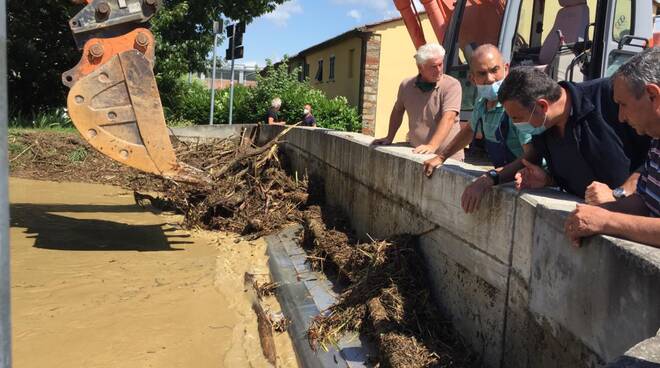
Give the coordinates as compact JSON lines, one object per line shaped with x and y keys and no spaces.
{"x":489,"y":91}
{"x":527,"y":128}
{"x":306,"y":111}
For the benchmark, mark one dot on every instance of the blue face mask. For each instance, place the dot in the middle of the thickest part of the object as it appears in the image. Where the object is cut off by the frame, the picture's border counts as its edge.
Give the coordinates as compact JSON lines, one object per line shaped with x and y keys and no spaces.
{"x":489,"y":91}
{"x":527,"y":128}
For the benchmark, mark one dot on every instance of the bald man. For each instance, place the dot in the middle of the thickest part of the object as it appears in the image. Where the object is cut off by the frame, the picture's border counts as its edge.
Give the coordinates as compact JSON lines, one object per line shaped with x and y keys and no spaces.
{"x":504,"y":142}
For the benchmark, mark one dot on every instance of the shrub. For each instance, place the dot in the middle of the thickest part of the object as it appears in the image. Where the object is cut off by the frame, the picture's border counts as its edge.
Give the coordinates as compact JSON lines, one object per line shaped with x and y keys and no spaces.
{"x":191,"y":102}
{"x":57,"y":118}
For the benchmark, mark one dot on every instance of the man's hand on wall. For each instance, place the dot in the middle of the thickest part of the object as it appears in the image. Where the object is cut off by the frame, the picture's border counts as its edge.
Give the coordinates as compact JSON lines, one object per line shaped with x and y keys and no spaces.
{"x":431,"y":164}
{"x":585,"y":221}
{"x":598,"y":193}
{"x":472,"y":195}
{"x":425,"y":149}
{"x":531,"y":177}
{"x":382,"y":141}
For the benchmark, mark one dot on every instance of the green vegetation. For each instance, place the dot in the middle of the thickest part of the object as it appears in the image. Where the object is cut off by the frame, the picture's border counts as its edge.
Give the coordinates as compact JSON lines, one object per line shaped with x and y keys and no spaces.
{"x":56,"y":119}
{"x":78,"y":155}
{"x":192,"y":101}
{"x":41,"y":47}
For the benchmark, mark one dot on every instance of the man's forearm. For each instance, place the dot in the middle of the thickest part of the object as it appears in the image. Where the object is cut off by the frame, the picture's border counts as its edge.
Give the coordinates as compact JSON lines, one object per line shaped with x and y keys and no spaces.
{"x":631,"y":205}
{"x":462,"y":139}
{"x":396,"y":118}
{"x":508,"y":172}
{"x":444,"y":127}
{"x":636,"y":228}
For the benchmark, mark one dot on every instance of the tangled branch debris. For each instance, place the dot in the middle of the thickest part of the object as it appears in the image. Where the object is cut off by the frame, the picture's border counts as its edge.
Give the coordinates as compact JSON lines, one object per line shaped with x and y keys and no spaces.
{"x":250,"y":193}
{"x":387,"y":298}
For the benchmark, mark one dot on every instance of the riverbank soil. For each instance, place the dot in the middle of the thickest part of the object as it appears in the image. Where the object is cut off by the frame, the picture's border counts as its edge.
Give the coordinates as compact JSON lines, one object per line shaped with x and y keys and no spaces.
{"x":100,"y":282}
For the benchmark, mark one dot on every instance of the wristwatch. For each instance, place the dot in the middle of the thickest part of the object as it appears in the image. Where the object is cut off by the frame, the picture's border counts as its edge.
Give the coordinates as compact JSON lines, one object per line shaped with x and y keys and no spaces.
{"x":619,"y":193}
{"x":494,"y":176}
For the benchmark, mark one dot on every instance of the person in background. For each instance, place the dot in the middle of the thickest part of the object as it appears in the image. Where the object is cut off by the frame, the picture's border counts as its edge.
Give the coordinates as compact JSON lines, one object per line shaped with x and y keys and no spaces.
{"x":432,"y":101}
{"x":635,"y":217}
{"x":504,"y":143}
{"x":272,"y":117}
{"x":308,"y":119}
{"x":575,"y":128}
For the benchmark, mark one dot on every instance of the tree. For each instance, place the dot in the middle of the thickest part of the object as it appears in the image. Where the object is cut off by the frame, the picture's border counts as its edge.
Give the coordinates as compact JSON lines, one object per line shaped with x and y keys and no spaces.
{"x":40,"y":45}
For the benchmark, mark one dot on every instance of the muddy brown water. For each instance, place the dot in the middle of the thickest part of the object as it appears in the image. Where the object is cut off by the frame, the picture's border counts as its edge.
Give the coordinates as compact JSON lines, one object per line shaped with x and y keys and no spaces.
{"x":100,"y":282}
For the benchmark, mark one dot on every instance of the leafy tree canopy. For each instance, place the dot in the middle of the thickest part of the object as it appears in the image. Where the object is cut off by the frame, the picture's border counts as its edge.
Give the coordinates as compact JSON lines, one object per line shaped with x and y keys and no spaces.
{"x":40,"y":46}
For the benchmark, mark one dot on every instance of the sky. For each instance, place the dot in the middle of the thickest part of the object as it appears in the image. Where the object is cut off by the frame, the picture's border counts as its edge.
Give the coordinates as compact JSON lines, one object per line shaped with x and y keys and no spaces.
{"x":299,"y":24}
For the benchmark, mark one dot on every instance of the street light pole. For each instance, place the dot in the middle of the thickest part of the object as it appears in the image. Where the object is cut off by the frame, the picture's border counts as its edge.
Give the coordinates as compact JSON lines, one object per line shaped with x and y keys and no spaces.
{"x":215,"y":46}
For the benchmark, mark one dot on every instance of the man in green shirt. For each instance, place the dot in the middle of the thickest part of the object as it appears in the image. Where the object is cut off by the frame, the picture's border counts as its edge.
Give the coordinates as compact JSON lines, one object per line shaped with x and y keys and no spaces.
{"x":504,"y":141}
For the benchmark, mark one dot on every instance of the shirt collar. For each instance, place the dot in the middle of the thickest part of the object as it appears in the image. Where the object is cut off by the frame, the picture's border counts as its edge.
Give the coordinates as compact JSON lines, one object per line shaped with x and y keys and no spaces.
{"x":581,"y":104}
{"x":437,"y":84}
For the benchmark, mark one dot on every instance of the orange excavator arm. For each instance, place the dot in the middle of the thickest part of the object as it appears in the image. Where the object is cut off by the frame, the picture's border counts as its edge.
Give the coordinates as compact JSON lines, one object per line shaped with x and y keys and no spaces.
{"x":113,"y":99}
{"x":438,"y":11}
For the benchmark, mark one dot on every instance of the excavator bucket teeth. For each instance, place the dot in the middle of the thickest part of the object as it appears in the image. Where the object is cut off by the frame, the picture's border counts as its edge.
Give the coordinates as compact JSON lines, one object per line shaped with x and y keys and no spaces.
{"x":117,"y":109}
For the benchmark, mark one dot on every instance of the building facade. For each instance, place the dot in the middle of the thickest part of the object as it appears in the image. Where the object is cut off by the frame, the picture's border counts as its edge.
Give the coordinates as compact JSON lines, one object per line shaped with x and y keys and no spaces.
{"x":366,"y":65}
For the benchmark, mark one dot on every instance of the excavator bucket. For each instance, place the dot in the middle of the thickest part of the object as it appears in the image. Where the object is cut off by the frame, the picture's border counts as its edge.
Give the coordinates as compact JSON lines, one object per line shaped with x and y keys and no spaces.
{"x":113,"y":99}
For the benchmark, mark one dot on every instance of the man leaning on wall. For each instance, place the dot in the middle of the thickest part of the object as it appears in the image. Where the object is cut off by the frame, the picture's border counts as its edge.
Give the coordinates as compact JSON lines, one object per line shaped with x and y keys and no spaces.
{"x":432,"y":101}
{"x":574,"y":127}
{"x":504,"y":142}
{"x":636,"y":217}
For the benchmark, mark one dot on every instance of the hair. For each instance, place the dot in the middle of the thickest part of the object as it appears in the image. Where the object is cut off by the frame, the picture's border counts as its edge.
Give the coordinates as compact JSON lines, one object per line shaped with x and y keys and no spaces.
{"x":640,"y":70}
{"x":487,"y":48}
{"x":308,"y":104}
{"x":429,"y":51}
{"x":276,"y":103}
{"x":526,"y":84}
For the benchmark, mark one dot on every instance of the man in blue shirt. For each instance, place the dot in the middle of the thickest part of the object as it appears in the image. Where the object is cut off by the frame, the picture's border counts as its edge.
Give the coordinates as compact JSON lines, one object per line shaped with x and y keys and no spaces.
{"x":504,"y":142}
{"x":308,"y":119}
{"x":636,"y":217}
{"x":575,"y":129}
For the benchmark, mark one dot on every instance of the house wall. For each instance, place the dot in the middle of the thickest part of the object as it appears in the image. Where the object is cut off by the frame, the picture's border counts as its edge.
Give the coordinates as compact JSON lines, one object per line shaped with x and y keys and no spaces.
{"x":344,"y":83}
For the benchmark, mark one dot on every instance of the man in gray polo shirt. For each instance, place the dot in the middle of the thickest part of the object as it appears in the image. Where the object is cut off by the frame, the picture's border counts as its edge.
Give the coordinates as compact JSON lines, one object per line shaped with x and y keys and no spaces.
{"x":432,"y":101}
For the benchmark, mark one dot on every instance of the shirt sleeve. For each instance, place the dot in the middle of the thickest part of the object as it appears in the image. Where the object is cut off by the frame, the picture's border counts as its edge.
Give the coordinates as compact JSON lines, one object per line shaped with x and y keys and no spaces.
{"x":451,"y":93}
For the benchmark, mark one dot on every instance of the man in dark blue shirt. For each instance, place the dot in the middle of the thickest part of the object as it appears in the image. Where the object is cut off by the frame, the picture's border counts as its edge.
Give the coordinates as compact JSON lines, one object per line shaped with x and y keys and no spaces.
{"x":308,"y":118}
{"x":636,"y":217}
{"x":575,"y":128}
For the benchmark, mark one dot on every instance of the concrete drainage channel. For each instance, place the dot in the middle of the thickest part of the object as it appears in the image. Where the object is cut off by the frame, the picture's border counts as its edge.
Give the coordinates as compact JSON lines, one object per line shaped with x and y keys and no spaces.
{"x":303,"y":295}
{"x":506,"y":276}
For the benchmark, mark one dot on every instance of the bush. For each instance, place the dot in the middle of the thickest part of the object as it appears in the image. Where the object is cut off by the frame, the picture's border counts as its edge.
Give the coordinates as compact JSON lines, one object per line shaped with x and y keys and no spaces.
{"x":57,"y":118}
{"x":191,"y":102}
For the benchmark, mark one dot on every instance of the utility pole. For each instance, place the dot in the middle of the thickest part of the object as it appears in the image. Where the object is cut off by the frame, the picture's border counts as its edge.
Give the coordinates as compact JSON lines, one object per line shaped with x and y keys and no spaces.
{"x":231,"y":83}
{"x":5,"y":315}
{"x":217,"y":28}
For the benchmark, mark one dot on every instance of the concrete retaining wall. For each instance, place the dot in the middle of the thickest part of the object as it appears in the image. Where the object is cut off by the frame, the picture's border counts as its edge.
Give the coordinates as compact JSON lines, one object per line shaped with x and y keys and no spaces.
{"x":514,"y":287}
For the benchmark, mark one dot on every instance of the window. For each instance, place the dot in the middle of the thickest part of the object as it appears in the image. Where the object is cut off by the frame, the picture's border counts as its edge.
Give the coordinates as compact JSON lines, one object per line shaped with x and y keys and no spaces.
{"x":305,"y":70}
{"x":623,"y":16}
{"x":319,"y":71}
{"x":351,"y":58}
{"x":331,"y":74}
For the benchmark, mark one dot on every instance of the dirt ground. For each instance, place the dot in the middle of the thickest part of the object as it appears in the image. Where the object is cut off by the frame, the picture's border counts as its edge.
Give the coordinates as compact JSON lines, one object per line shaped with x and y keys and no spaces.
{"x":100,"y":282}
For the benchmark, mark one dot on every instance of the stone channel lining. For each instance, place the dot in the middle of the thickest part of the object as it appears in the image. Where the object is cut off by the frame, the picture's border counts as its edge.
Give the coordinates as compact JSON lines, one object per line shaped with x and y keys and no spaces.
{"x":510,"y":281}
